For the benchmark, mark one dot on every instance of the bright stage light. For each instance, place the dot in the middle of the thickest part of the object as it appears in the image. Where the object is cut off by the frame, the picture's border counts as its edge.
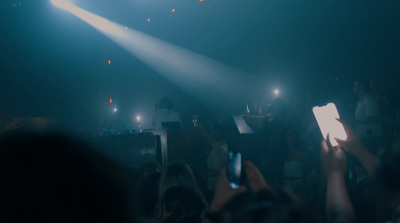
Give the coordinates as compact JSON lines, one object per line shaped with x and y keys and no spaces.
{"x":276,"y":92}
{"x":96,"y":21}
{"x":64,"y":4}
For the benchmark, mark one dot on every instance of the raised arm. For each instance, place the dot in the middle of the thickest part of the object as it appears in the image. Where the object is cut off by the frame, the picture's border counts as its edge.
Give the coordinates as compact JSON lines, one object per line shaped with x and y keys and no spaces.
{"x":223,"y":194}
{"x":338,"y":206}
{"x":355,"y":147}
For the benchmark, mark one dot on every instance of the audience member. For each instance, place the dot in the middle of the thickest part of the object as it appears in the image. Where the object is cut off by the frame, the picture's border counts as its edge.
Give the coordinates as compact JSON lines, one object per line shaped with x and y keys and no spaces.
{"x":181,"y":205}
{"x":218,"y":157}
{"x":387,"y":175}
{"x":338,"y":204}
{"x":165,"y":113}
{"x":294,"y":171}
{"x":148,"y":197}
{"x":274,"y":206}
{"x":367,"y":114}
{"x":179,"y":175}
{"x":274,"y":123}
{"x":264,"y":205}
{"x":360,"y":187}
{"x":55,"y":178}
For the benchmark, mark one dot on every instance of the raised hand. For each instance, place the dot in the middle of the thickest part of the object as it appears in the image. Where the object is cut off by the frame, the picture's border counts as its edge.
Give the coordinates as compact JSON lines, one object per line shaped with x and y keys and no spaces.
{"x":338,"y":206}
{"x":223,"y":192}
{"x":254,"y":177}
{"x":355,"y":147}
{"x":334,"y":160}
{"x":353,"y":143}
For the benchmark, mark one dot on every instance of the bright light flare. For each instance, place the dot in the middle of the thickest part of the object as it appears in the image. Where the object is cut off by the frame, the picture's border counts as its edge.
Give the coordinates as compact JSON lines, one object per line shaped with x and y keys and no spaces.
{"x":138,"y":118}
{"x":276,"y":92}
{"x":96,"y":21}
{"x":188,"y":70}
{"x":64,"y":4}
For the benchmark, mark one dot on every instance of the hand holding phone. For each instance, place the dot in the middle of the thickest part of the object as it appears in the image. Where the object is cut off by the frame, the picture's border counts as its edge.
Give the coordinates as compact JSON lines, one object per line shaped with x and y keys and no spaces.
{"x":234,"y":169}
{"x":254,"y":178}
{"x":327,"y":118}
{"x":224,"y":192}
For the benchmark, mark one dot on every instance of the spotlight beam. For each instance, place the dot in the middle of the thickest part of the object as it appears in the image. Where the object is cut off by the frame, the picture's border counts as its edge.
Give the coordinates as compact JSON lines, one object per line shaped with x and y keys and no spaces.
{"x":96,"y":21}
{"x":64,"y":4}
{"x":198,"y":75}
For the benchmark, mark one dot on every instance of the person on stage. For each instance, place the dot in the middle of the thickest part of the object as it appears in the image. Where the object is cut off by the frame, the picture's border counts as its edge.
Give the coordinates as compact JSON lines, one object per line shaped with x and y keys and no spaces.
{"x":165,"y":113}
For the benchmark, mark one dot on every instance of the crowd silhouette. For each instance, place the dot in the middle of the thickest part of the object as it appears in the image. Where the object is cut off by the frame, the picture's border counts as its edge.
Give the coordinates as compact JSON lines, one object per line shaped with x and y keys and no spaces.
{"x":54,"y":177}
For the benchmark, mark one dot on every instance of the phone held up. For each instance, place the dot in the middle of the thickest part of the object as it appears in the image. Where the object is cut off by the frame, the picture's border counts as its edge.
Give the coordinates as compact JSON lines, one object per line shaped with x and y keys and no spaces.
{"x":234,"y":171}
{"x":326,"y":117}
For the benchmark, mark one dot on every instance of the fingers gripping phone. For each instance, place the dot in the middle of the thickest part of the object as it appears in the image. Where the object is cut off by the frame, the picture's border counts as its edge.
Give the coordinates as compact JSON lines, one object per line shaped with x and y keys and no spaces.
{"x":326,"y":117}
{"x":234,"y":169}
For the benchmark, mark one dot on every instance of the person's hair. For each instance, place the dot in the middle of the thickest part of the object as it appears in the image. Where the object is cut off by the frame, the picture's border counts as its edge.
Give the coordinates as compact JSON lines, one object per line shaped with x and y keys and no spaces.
{"x":274,"y":206}
{"x":55,"y":178}
{"x":179,"y":174}
{"x":148,"y":195}
{"x":179,"y":202}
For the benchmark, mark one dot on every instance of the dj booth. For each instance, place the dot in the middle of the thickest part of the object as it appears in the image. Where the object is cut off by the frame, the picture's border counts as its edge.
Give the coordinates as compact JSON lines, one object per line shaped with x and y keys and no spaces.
{"x":164,"y":146}
{"x":169,"y":145}
{"x":174,"y":145}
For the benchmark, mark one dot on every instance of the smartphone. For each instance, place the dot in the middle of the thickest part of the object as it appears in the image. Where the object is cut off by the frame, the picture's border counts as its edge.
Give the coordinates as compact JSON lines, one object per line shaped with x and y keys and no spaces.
{"x":326,"y":117}
{"x":234,"y":169}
